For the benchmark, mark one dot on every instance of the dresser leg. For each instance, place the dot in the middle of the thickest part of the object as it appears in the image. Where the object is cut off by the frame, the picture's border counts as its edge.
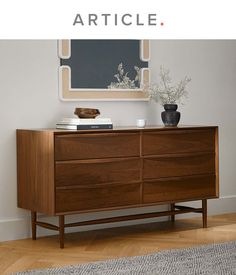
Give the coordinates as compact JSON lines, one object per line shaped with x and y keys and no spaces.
{"x":172,"y":208}
{"x":204,"y":213}
{"x":33,"y":224}
{"x":61,"y":230}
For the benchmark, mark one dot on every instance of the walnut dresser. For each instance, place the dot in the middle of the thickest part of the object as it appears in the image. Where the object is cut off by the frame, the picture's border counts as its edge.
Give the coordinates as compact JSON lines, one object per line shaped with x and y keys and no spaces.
{"x":64,"y":172}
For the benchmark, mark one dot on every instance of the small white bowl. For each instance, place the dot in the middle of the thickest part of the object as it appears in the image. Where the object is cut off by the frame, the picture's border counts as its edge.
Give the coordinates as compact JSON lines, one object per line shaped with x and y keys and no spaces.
{"x":140,"y":123}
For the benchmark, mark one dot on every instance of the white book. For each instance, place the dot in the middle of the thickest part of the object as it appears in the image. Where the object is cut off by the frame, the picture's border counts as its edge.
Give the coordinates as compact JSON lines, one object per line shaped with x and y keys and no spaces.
{"x":84,"y":121}
{"x":84,"y":126}
{"x":66,"y":127}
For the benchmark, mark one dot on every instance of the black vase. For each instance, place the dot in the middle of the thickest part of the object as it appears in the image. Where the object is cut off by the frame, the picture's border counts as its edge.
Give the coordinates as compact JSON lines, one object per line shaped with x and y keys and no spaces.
{"x":170,"y":116}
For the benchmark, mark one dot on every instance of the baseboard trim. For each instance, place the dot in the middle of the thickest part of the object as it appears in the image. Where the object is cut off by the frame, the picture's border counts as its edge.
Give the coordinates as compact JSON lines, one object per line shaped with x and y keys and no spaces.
{"x":222,"y":205}
{"x":19,"y":228}
{"x":13,"y":229}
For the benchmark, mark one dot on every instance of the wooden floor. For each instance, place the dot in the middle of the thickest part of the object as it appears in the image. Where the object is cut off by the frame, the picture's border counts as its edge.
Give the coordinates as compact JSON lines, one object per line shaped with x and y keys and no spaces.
{"x":113,"y":243}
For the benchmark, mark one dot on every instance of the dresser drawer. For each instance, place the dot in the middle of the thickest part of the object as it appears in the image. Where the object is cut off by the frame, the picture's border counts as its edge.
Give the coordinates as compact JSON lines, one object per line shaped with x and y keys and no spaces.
{"x":178,"y":165}
{"x":97,"y":197}
{"x":96,"y":145}
{"x":90,"y":172}
{"x":178,"y":141}
{"x":166,"y":190}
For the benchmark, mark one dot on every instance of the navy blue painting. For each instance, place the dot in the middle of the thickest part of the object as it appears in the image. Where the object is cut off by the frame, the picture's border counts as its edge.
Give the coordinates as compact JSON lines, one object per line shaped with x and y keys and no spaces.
{"x":99,"y":64}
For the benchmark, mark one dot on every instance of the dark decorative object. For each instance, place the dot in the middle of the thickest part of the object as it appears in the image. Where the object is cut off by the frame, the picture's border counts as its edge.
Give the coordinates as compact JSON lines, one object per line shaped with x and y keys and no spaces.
{"x":168,"y":95}
{"x":170,"y":116}
{"x":86,"y":112}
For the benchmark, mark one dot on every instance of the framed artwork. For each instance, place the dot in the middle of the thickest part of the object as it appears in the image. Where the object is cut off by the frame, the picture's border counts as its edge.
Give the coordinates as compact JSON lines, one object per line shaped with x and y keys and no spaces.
{"x":103,"y":69}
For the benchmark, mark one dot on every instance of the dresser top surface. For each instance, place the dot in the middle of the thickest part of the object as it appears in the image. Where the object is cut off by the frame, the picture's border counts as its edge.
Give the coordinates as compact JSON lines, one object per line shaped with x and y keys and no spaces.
{"x":123,"y":129}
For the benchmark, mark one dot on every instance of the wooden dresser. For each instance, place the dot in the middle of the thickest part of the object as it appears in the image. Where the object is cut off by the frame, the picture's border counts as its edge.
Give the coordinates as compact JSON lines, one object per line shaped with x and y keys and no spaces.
{"x":63,"y":172}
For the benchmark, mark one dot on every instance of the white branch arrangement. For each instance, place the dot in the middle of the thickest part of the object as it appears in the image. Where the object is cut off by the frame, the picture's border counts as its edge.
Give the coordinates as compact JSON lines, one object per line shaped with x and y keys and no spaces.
{"x":167,"y":93}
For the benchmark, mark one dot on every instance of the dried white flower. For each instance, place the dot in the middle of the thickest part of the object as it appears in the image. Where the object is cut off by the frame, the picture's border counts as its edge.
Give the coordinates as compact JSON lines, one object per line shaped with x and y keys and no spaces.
{"x":167,"y":93}
{"x":123,"y":80}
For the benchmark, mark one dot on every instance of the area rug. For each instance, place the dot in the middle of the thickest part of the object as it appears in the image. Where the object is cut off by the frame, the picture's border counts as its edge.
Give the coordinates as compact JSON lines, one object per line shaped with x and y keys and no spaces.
{"x":205,"y":259}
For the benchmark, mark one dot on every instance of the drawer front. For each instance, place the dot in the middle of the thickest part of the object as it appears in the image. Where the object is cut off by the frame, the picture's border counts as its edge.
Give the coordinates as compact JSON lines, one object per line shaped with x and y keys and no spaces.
{"x":172,"y":166}
{"x":167,"y":190}
{"x":92,"y":172}
{"x":99,"y":197}
{"x":97,"y":145}
{"x":178,"y":141}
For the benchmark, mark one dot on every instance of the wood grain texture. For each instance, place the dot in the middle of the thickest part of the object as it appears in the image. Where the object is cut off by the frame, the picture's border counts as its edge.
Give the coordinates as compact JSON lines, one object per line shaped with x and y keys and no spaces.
{"x":33,"y":224}
{"x":204,"y":214}
{"x":115,"y":169}
{"x":216,"y":140}
{"x":110,"y":243}
{"x":178,"y":141}
{"x":35,"y":171}
{"x":97,"y":197}
{"x":179,"y":188}
{"x":178,"y":165}
{"x":91,"y":172}
{"x":96,"y":145}
{"x":198,"y":157}
{"x":137,"y":216}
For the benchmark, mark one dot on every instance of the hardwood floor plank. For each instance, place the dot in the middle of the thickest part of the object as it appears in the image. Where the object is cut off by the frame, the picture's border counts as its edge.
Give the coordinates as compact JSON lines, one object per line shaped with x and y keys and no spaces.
{"x":111,"y":243}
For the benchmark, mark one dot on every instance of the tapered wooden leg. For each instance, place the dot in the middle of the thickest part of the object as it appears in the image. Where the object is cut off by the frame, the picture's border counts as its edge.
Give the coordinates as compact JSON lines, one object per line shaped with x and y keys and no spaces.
{"x":204,"y":213}
{"x":33,"y":224}
{"x":61,"y":230}
{"x":172,"y":208}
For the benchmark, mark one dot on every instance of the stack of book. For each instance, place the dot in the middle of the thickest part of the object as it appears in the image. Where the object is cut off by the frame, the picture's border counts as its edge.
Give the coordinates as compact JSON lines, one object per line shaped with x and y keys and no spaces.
{"x":84,"y":123}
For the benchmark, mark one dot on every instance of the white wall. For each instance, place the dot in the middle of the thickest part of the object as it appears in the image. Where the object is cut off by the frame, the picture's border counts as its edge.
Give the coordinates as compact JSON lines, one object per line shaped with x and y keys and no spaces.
{"x":212,"y":92}
{"x":29,"y":99}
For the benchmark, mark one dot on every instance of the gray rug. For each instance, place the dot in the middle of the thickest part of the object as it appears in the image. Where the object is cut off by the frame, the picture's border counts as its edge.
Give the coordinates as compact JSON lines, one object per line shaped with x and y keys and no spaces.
{"x":207,"y":259}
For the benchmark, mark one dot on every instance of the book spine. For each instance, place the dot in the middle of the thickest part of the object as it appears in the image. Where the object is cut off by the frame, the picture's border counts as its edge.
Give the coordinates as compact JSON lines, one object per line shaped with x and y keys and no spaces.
{"x":83,"y":123}
{"x":66,"y":127}
{"x":94,"y":126}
